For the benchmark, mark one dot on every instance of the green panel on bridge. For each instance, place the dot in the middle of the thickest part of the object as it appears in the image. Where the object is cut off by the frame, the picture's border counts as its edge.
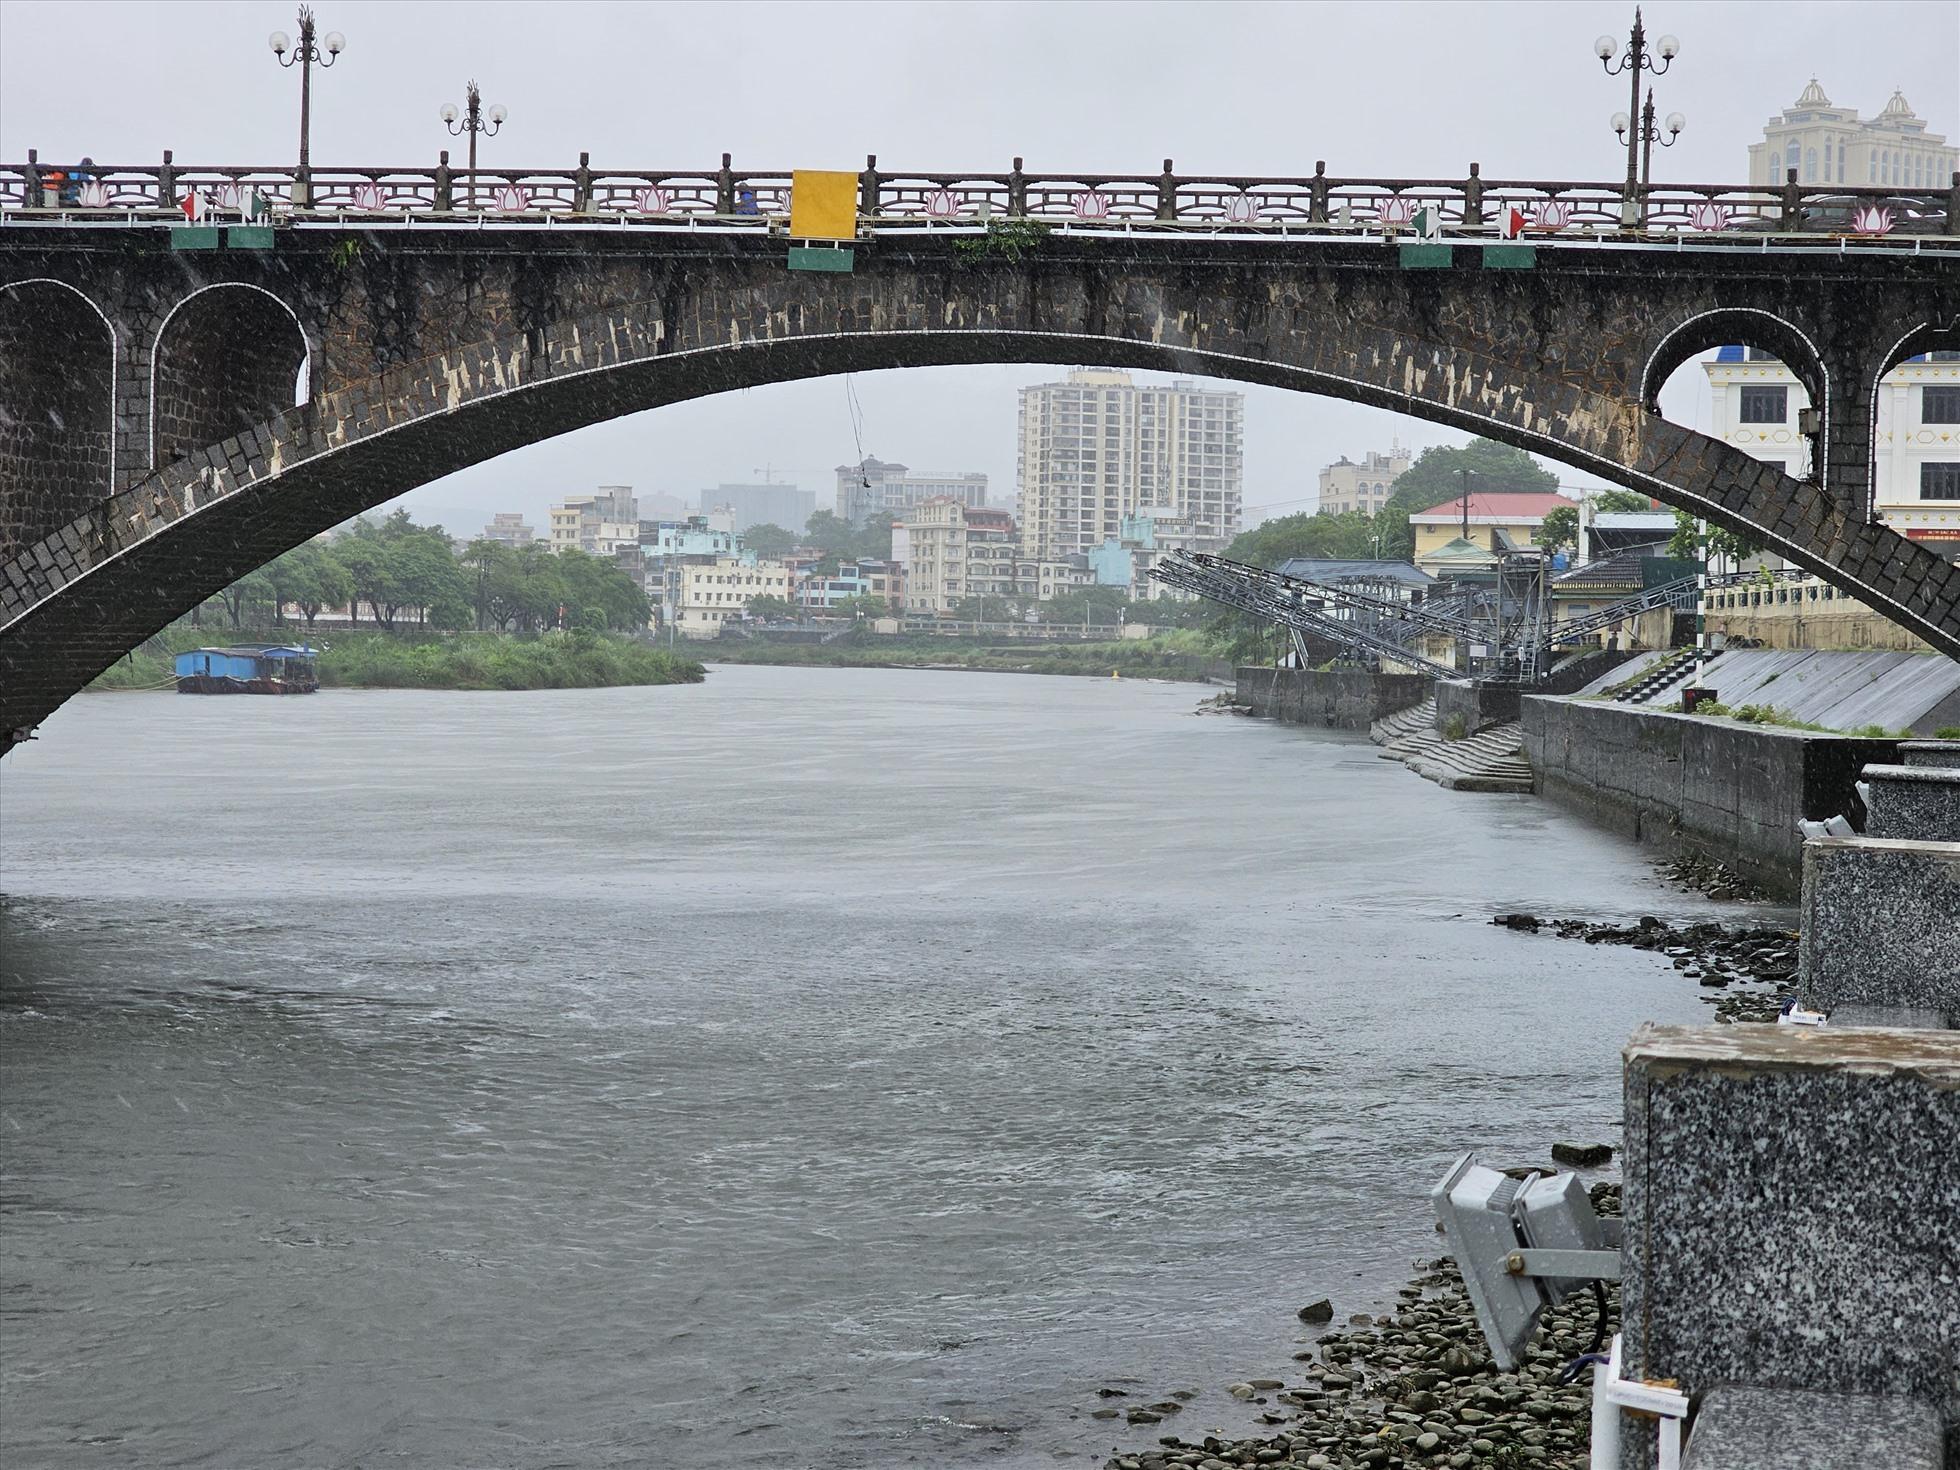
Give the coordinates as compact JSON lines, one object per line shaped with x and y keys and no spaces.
{"x":1426,"y":257}
{"x":818,"y":258}
{"x":194,"y":237}
{"x":249,"y":237}
{"x":1510,"y":257}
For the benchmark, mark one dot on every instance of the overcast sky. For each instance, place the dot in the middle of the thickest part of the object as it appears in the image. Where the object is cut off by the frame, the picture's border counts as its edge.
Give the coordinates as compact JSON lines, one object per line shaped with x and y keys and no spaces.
{"x":1383,"y":89}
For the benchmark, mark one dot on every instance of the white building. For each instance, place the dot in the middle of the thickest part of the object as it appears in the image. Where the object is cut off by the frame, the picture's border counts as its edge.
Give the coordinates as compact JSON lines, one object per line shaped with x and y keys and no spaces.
{"x":1345,"y":485}
{"x":1754,"y":402}
{"x":510,"y":527}
{"x":1827,"y":144}
{"x":1098,"y":448}
{"x":596,"y":524}
{"x":950,"y":551}
{"x":865,"y":489}
{"x":713,"y":593}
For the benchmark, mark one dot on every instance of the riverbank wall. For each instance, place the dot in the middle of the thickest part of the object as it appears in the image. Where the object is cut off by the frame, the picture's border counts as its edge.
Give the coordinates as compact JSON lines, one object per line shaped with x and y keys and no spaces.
{"x":1683,"y":782}
{"x":1332,"y":699}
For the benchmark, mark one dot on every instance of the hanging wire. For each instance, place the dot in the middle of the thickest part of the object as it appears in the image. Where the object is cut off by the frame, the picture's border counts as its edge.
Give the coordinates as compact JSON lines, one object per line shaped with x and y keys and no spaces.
{"x":857,"y":427}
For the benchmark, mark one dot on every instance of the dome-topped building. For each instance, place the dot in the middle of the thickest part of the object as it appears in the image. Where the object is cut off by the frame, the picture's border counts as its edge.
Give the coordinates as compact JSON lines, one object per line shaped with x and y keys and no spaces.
{"x":1828,"y":144}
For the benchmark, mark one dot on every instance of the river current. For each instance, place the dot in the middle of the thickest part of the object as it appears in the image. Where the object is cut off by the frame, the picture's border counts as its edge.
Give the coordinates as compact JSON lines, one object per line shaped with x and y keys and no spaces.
{"x":811,"y":1067}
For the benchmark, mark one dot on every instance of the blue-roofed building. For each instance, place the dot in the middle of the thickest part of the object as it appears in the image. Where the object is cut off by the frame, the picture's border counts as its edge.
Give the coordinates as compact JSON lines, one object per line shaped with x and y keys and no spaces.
{"x":254,"y":668}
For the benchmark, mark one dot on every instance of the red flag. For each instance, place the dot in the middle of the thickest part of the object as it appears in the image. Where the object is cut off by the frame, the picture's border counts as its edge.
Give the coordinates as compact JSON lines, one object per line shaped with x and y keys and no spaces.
{"x":1513,"y":223}
{"x":193,"y":206}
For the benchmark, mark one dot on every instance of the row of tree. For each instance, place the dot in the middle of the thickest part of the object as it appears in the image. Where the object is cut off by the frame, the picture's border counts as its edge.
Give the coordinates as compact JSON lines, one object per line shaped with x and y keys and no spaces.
{"x":826,"y":531}
{"x":400,"y":573}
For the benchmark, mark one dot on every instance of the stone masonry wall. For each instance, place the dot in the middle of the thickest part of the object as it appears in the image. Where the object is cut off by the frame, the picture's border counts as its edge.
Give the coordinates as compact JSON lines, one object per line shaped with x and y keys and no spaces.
{"x":1731,"y":790}
{"x":1335,"y":699}
{"x":57,"y":413}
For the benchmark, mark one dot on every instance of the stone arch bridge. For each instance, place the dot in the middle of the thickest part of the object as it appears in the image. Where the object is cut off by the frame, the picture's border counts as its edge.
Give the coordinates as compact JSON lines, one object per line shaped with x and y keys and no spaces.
{"x":152,"y":449}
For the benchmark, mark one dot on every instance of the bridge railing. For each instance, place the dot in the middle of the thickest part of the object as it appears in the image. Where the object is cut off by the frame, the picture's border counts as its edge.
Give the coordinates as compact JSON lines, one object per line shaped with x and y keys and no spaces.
{"x":730,"y":198}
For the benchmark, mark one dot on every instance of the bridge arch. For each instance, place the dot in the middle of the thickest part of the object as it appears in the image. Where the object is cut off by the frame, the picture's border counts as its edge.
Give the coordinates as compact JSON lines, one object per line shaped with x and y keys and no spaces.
{"x":1748,"y":326}
{"x":1926,"y":336}
{"x":58,"y":386}
{"x":226,"y":358}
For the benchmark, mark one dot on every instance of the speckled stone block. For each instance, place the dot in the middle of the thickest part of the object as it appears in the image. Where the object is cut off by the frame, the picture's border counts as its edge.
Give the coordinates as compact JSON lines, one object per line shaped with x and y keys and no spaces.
{"x":1881,"y":925}
{"x":1792,"y":1199}
{"x":1741,"y":1427}
{"x":1917,"y":802}
{"x":1930,"y":753}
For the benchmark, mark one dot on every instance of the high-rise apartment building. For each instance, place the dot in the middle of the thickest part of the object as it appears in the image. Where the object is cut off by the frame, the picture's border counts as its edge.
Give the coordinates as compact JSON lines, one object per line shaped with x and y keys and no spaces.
{"x":1827,"y":144}
{"x":869,"y":487}
{"x":1345,"y":485}
{"x":1098,"y":448}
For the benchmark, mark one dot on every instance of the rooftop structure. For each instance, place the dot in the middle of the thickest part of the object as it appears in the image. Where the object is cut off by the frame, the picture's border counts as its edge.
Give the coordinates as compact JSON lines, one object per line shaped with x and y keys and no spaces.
{"x":1827,"y":144}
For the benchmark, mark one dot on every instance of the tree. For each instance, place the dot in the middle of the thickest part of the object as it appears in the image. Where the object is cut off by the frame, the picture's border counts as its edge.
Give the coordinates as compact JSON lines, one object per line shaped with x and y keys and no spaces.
{"x":1093,"y":606}
{"x":488,"y":564}
{"x":1349,"y":534}
{"x":248,"y":590}
{"x":769,"y":540}
{"x":770,"y":609}
{"x":830,"y":532}
{"x":310,"y":579}
{"x":862,"y":605}
{"x":1727,"y":544}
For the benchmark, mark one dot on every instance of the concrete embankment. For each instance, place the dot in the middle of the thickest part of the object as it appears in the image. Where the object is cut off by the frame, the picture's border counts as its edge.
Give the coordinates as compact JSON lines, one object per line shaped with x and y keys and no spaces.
{"x":1335,"y":699}
{"x":1731,"y":790}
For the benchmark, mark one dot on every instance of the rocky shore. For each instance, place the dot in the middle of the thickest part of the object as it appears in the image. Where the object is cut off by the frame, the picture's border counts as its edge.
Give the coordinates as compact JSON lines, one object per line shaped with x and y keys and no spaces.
{"x":1752,"y":969}
{"x":1415,"y":1388}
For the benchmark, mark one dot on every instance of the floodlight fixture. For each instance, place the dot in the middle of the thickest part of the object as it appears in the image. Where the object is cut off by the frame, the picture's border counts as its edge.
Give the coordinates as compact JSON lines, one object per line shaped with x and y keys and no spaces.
{"x":1523,"y":1245}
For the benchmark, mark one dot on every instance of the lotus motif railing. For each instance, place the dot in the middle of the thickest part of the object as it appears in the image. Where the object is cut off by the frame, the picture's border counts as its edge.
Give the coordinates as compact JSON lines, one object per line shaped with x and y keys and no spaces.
{"x":731,"y":198}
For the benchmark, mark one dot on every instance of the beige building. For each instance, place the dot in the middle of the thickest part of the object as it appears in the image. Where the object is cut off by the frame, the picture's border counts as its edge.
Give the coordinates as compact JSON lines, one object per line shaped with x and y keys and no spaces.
{"x":717,"y":592}
{"x":1345,"y":485}
{"x":597,"y":524}
{"x":1098,"y":447}
{"x":950,"y":550}
{"x":510,"y":527}
{"x":1827,"y":144}
{"x":1455,"y":538}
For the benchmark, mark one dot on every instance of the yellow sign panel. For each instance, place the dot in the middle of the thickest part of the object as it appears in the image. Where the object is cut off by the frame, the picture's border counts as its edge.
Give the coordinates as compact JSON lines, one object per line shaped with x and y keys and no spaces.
{"x":823,"y":205}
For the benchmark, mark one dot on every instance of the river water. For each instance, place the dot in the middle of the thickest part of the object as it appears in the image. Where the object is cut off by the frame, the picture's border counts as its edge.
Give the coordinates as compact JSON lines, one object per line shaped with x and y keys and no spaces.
{"x":812,"y":1067}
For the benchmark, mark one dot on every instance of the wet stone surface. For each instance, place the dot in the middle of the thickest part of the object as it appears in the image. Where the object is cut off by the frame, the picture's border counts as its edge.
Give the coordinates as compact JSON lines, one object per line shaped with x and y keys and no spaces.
{"x":1750,"y":972}
{"x":1415,"y":1388}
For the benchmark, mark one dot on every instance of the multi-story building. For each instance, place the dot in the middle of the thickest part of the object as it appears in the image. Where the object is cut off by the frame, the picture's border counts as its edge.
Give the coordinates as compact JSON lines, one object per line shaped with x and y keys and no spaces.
{"x":708,"y":594}
{"x":1827,"y":144}
{"x":1459,"y":538}
{"x":1345,"y":485}
{"x":510,"y":528}
{"x":762,"y":505}
{"x":945,"y":546}
{"x":815,"y":591}
{"x":872,"y":486}
{"x":1098,"y":447}
{"x":1755,"y":400}
{"x":1046,"y":578}
{"x":1125,"y":560}
{"x":596,"y":524}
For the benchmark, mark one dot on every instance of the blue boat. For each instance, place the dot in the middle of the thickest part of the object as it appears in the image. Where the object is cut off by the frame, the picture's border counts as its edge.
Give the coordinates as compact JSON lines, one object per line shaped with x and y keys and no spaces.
{"x":253,"y":668}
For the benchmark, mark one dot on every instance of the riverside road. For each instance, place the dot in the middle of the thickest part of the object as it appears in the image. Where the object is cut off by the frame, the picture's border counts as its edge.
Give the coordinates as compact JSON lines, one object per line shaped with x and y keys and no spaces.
{"x":812,"y":1067}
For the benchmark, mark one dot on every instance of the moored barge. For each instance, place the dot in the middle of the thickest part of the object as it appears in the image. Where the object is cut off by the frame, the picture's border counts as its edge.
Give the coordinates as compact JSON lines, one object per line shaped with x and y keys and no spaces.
{"x":256,"y":668}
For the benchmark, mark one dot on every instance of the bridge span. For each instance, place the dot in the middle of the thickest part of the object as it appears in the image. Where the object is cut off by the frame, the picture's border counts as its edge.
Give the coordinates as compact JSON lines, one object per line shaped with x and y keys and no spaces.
{"x":151,"y":449}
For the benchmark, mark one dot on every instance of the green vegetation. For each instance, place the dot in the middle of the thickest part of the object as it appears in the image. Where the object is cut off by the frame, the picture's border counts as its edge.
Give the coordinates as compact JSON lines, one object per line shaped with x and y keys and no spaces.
{"x":1782,"y":719}
{"x":1947,"y":732}
{"x":1456,"y":728}
{"x":1561,"y":529}
{"x":1007,"y":239}
{"x":1720,"y":543}
{"x":576,"y":660}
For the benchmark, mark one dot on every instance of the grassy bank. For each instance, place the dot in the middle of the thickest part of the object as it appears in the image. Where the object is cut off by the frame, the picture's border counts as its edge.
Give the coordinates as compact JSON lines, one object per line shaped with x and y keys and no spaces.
{"x":456,"y":661}
{"x":1179,"y":656}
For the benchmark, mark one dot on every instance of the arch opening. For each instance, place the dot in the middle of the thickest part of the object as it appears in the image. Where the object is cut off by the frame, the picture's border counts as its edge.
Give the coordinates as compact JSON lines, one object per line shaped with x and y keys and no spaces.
{"x":57,"y":410}
{"x":1915,"y":437}
{"x":227,"y":359}
{"x":1761,"y":352}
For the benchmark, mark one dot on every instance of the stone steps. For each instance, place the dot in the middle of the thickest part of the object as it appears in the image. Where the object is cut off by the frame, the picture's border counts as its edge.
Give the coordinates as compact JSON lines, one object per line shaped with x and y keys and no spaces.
{"x":1404,"y":722}
{"x":1490,"y":760}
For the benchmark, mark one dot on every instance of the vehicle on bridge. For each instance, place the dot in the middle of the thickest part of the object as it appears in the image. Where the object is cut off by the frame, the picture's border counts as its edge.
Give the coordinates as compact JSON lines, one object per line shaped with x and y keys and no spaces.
{"x":255,"y":668}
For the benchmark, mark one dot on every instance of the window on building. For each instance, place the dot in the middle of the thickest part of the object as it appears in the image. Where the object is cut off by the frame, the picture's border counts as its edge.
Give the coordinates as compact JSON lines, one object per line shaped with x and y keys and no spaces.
{"x":1793,"y":156}
{"x":1810,"y":165}
{"x":1765,"y":405}
{"x":1939,"y":480}
{"x":1939,"y":406}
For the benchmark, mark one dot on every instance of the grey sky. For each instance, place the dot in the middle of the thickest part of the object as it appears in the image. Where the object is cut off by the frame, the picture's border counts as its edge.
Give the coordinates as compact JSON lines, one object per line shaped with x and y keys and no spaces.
{"x":1390,"y":90}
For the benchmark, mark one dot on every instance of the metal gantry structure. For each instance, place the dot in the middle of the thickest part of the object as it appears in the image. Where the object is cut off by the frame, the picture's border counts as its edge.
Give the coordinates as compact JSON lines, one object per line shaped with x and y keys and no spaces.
{"x":1513,"y":620}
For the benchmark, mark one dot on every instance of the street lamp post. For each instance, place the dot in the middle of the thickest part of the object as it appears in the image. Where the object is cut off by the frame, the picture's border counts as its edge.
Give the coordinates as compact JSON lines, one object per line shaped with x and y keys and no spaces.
{"x":1634,"y":60}
{"x":305,"y":55}
{"x":472,"y":121}
{"x":1649,"y":134}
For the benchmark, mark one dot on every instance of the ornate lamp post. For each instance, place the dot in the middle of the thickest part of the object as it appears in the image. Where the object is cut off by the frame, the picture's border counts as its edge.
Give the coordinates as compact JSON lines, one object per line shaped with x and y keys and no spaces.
{"x":1635,"y":60}
{"x":1648,"y":135}
{"x":304,"y":56}
{"x":472,"y":121}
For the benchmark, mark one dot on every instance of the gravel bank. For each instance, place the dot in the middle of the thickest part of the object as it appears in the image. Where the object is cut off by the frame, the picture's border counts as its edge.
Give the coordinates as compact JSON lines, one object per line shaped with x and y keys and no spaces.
{"x":1417,"y":1388}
